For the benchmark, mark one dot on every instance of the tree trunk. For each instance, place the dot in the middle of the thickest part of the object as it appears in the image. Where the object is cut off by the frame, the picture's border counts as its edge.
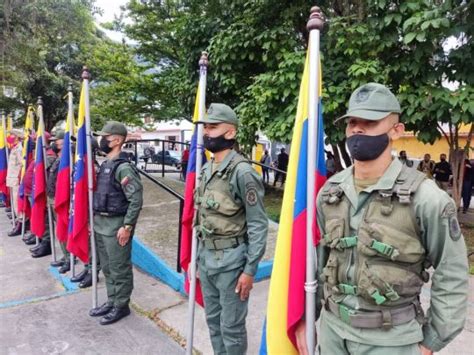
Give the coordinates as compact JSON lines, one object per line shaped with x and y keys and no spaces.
{"x":457,"y":167}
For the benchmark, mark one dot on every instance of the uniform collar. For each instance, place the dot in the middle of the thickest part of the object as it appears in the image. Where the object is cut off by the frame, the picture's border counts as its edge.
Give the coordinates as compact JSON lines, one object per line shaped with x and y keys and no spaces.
{"x":222,"y":165}
{"x":345,"y":179}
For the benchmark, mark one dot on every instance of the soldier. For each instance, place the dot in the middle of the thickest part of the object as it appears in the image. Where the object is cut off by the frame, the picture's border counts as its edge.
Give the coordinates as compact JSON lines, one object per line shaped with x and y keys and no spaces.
{"x":118,"y":200}
{"x":384,"y":225}
{"x":13,"y":175}
{"x":232,"y":229}
{"x":57,"y":146}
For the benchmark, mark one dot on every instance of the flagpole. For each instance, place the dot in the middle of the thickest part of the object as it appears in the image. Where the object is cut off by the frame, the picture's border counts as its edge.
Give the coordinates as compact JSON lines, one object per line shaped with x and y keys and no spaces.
{"x":203,"y":64}
{"x":86,"y":78}
{"x":70,"y":115}
{"x":48,"y":206}
{"x":314,"y":26}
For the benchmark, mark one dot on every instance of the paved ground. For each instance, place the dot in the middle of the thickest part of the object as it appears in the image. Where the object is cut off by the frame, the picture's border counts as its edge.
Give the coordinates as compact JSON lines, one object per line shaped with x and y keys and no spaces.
{"x":38,"y":316}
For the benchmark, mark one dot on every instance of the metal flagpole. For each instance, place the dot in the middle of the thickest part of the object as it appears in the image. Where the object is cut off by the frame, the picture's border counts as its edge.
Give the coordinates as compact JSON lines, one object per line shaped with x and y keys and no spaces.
{"x":86,"y":78}
{"x":203,"y":64}
{"x":70,"y":115}
{"x":314,"y":26}
{"x":48,"y":206}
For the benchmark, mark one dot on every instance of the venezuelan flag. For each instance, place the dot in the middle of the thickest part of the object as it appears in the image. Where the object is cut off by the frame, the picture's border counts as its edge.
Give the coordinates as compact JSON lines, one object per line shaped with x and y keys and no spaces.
{"x":78,"y":243}
{"x":38,"y":208}
{"x":62,"y":198}
{"x":3,"y":160}
{"x":188,"y":209}
{"x":286,"y":299}
{"x":27,"y":154}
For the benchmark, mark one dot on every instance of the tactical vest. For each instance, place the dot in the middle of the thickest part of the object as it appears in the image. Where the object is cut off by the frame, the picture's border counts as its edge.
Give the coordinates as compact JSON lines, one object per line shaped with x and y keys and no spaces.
{"x":109,"y":198}
{"x":52,"y":177}
{"x":387,"y":251}
{"x":219,"y":215}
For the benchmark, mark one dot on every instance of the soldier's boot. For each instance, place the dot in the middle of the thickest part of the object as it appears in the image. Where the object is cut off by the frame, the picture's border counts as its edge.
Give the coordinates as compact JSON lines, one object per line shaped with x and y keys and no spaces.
{"x":8,"y":209}
{"x":115,"y":315}
{"x":87,"y":281}
{"x":80,"y":276}
{"x":44,"y":250}
{"x":9,"y":215}
{"x":16,"y":230}
{"x":30,"y":240}
{"x":36,"y":247}
{"x":65,"y":268}
{"x":27,"y":236}
{"x":57,"y":263}
{"x":101,"y":310}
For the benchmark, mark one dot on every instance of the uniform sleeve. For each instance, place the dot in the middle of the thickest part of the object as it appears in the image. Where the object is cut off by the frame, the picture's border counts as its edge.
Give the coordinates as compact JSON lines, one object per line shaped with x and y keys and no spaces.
{"x":133,"y":190}
{"x":322,"y":255}
{"x":446,"y":251}
{"x":251,"y":192}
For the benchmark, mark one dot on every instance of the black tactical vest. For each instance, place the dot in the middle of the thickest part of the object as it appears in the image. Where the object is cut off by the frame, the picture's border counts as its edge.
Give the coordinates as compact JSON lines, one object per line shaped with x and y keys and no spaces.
{"x":109,"y":199}
{"x":52,"y":177}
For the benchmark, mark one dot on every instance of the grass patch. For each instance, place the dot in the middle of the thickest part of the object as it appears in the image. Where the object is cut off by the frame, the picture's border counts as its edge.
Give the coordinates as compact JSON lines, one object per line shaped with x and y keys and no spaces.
{"x":468,"y":232}
{"x":272,"y":202}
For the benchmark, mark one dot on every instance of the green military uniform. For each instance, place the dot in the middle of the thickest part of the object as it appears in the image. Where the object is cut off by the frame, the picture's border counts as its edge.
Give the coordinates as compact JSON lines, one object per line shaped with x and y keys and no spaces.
{"x":115,"y":260}
{"x":232,"y":228}
{"x":380,"y":237}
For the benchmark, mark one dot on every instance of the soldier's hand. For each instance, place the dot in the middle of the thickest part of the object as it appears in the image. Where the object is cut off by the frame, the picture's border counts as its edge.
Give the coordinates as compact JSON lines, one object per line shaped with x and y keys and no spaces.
{"x":244,"y":285}
{"x":425,"y":351}
{"x":123,"y":236}
{"x":300,"y":333}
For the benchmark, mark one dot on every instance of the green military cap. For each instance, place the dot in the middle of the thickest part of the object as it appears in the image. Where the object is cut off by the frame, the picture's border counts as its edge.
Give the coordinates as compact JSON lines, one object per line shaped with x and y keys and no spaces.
{"x":372,"y":102}
{"x":220,"y":113}
{"x":113,"y":127}
{"x":59,"y":134}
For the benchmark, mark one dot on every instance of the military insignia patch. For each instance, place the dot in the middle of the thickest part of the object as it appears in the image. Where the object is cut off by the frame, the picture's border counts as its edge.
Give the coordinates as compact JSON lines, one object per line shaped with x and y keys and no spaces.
{"x":362,"y":96}
{"x":449,"y":212}
{"x":251,"y":196}
{"x":454,"y":228}
{"x":130,"y":188}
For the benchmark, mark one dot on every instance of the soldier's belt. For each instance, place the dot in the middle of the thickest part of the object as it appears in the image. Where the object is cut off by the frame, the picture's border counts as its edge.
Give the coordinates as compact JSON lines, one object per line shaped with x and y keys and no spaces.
{"x":385,"y":319}
{"x":222,"y":243}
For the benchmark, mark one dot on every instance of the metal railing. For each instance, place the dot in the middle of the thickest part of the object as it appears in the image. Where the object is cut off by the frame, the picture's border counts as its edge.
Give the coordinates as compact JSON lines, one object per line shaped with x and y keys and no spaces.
{"x":181,"y":206}
{"x":157,"y":162}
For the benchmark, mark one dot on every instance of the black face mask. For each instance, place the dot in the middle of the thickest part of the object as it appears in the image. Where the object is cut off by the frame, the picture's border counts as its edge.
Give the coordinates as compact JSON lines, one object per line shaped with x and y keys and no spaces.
{"x":217,"y":144}
{"x":55,"y":148}
{"x":365,"y":148}
{"x":104,"y":146}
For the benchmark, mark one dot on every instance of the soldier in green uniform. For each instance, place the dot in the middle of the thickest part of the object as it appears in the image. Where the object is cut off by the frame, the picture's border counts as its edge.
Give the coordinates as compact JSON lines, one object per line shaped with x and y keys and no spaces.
{"x":384,"y":226}
{"x":118,"y":200}
{"x":232,"y":229}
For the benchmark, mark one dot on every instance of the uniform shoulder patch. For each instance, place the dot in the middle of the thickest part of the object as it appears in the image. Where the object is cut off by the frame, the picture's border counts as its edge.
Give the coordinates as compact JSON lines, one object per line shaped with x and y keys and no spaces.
{"x":450,"y":213}
{"x":251,"y":196}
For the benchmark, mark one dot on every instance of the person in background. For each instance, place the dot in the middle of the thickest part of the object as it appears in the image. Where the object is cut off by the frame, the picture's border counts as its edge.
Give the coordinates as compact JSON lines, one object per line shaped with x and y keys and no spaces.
{"x":404,"y":159}
{"x":267,"y":161}
{"x":442,"y":171}
{"x":467,"y":184}
{"x":282,"y":164}
{"x":184,"y":161}
{"x":427,"y":166}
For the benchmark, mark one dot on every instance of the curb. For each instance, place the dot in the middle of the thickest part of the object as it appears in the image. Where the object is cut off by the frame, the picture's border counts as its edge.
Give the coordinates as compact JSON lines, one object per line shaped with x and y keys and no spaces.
{"x":145,"y":259}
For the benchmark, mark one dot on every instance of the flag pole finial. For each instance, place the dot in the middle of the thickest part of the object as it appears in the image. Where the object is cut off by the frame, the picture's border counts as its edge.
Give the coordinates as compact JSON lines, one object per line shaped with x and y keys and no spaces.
{"x":69,"y":86}
{"x":85,"y":73}
{"x":204,"y":62}
{"x":316,"y":19}
{"x":40,"y":100}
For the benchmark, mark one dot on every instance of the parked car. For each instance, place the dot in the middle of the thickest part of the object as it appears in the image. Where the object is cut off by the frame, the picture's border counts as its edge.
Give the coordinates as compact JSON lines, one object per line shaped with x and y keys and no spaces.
{"x":171,"y":157}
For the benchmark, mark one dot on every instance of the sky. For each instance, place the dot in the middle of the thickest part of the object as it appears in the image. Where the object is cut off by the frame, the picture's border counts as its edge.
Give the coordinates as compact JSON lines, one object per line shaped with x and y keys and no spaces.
{"x":110,"y":8}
